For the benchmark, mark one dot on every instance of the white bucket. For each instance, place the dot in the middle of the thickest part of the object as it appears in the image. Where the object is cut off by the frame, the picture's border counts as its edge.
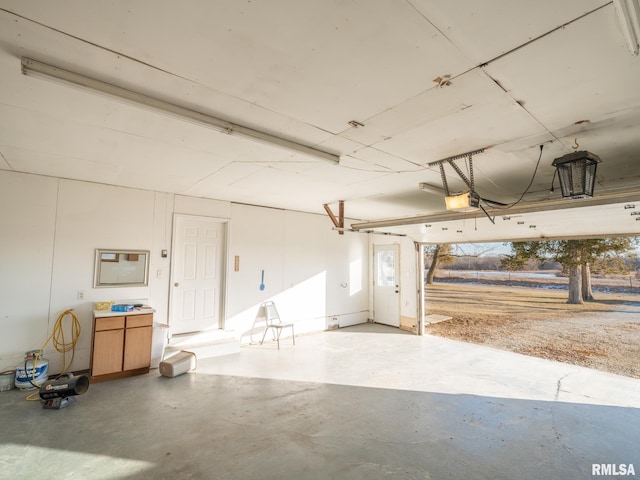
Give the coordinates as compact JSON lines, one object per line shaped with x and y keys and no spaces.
{"x":7,"y":380}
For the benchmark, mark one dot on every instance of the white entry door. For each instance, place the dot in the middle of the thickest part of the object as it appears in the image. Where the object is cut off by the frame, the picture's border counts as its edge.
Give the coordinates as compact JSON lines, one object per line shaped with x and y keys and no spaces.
{"x":197,"y":273}
{"x":386,"y":288}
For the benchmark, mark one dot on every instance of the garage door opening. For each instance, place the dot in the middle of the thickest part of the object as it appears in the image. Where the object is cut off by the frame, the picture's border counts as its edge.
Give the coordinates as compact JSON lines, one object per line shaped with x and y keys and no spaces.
{"x":526,"y":311}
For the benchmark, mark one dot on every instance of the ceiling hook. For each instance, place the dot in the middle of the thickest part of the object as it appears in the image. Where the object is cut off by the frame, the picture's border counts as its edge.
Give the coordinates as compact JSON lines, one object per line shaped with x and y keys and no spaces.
{"x":575,"y":146}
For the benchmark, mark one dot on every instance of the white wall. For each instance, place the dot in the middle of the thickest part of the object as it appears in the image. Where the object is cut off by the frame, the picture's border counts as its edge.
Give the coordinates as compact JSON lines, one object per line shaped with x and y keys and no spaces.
{"x":51,"y":228}
{"x":27,"y":233}
{"x":307,"y":270}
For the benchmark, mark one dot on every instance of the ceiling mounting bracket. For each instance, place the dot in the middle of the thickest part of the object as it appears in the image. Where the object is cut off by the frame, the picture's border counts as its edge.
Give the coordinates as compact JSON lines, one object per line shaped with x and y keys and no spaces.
{"x":491,"y":219}
{"x":469,"y":182}
{"x":444,"y":180}
{"x":338,"y":223}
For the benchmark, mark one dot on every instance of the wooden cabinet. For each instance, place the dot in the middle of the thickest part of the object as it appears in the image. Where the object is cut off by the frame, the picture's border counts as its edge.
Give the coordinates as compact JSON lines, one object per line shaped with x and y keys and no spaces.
{"x":121,"y":345}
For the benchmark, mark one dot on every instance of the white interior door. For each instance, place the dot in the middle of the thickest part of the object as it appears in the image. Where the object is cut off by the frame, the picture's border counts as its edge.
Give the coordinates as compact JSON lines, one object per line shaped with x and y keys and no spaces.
{"x":197,"y":273}
{"x":386,"y":288}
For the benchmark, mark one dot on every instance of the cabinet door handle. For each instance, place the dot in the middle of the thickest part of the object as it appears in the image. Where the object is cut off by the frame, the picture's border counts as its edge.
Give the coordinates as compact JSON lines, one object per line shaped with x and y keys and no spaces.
{"x":176,"y":284}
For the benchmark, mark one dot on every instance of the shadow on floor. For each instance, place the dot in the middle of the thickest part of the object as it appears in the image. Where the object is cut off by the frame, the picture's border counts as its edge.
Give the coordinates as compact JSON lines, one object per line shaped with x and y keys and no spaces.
{"x":200,"y":426}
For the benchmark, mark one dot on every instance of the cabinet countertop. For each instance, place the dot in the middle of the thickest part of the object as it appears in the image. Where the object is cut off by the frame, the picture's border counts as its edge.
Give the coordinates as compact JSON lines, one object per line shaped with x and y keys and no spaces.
{"x":135,"y":311}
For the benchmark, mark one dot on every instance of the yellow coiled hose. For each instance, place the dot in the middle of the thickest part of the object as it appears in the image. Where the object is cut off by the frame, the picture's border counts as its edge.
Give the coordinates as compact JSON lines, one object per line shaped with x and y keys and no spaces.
{"x":60,"y":344}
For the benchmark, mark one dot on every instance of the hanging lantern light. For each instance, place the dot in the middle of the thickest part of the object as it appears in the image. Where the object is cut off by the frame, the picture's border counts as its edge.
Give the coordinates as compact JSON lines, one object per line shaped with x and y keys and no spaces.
{"x":577,"y":173}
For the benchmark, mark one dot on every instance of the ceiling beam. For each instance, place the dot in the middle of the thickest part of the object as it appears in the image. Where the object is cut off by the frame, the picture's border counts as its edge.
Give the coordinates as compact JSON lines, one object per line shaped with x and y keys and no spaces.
{"x":527,"y":207}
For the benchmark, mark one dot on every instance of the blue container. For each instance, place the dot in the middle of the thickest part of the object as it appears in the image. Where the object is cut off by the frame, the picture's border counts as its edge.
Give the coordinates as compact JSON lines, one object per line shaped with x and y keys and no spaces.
{"x":122,"y":308}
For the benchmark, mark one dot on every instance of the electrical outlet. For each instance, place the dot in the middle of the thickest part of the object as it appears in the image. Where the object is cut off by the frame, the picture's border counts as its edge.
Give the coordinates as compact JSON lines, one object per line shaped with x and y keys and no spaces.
{"x":80,"y":294}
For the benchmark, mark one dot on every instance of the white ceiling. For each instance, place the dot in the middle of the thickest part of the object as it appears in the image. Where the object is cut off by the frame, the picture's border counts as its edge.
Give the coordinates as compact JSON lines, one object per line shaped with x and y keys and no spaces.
{"x":522,"y":74}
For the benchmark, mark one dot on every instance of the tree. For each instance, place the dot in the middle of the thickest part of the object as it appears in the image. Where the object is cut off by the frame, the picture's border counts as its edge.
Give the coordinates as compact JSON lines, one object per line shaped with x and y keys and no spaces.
{"x":576,"y":258}
{"x":439,"y":254}
{"x":582,"y":254}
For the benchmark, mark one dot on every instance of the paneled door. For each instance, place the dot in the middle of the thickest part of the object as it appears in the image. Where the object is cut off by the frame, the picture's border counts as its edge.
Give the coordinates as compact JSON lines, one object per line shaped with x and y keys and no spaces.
{"x":386,"y":284}
{"x":197,"y":273}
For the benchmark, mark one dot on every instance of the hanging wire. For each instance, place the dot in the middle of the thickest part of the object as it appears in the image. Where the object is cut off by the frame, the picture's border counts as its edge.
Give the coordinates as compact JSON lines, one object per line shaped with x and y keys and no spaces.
{"x":528,"y":186}
{"x":553,"y":180}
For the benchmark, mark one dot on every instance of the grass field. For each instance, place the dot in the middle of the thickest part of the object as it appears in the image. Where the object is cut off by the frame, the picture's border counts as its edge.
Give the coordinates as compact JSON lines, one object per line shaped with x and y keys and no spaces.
{"x":604,"y":334}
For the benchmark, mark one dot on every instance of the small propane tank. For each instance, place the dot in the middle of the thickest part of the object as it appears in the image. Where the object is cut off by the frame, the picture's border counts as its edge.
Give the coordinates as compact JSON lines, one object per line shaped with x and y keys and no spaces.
{"x":30,"y":376}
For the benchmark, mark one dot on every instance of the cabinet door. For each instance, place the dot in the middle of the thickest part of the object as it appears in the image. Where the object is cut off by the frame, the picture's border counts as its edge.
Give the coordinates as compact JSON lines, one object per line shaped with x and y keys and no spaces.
{"x":137,"y":348}
{"x":108,"y":347}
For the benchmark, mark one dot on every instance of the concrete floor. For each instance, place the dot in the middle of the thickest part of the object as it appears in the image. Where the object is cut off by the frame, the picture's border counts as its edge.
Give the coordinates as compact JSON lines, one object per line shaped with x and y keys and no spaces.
{"x":364,"y":402}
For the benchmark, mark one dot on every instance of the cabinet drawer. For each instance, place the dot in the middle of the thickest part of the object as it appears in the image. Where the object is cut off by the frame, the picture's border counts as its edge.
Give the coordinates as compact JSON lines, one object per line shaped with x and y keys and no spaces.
{"x":109,"y":323}
{"x":144,"y":320}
